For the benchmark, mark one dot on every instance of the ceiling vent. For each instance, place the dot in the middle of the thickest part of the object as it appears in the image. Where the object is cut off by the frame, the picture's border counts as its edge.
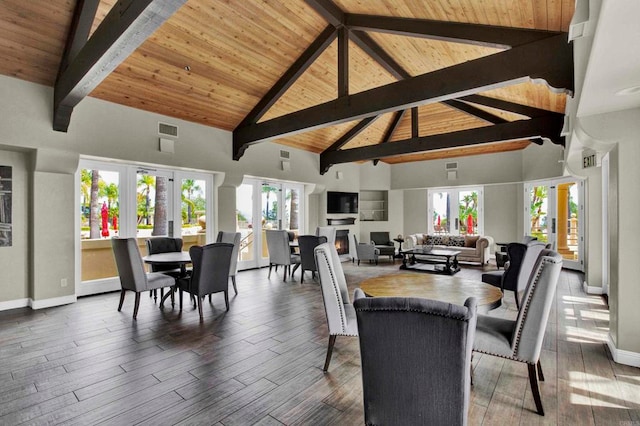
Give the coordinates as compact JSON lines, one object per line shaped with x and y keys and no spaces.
{"x":167,"y":130}
{"x":451,"y":166}
{"x":284,"y":154}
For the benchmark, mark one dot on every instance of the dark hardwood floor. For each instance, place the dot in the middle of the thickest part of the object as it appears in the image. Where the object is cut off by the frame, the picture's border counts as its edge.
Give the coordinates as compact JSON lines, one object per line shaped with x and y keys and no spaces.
{"x":261,"y":362}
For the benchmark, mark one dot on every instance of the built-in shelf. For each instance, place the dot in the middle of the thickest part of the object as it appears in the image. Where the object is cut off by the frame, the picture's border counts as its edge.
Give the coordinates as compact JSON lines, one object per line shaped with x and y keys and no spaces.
{"x":373,"y":205}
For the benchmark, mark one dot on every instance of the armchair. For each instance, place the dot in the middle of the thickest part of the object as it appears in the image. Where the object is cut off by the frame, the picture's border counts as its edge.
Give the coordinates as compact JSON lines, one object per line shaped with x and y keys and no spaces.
{"x":383,"y":243}
{"x":132,"y":274}
{"x":232,"y":238}
{"x":341,"y":317}
{"x":362,"y":251}
{"x":521,"y":340}
{"x":210,"y":273}
{"x":416,"y":360}
{"x":327,"y":231}
{"x":307,"y":244}
{"x":280,"y":251}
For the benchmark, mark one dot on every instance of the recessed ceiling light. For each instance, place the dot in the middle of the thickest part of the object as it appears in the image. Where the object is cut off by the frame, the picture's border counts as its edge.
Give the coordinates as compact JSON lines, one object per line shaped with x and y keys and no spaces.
{"x":629,"y":91}
{"x":187,"y":68}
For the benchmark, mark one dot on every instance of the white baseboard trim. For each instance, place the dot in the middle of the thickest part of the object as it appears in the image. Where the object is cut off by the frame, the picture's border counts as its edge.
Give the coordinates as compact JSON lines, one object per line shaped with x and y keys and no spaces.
{"x":621,"y":356}
{"x":105,"y":285}
{"x":54,"y":301}
{"x":14,"y":304}
{"x":589,"y":289}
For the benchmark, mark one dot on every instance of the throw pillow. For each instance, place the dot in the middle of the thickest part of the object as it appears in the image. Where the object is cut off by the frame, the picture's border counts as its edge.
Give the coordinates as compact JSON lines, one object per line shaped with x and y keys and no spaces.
{"x":471,"y":240}
{"x":456,"y":241}
{"x":430,"y":240}
{"x":419,"y":239}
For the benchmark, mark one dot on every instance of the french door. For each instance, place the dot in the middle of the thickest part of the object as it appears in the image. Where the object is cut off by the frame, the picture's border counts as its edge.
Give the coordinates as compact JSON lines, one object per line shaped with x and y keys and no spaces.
{"x":455,"y":211}
{"x":554,"y":214}
{"x":262,"y":205}
{"x":131,"y":201}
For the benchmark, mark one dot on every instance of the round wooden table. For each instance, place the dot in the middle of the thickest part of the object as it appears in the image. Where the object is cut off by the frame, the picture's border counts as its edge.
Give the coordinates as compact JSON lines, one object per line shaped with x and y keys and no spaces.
{"x":181,"y":258}
{"x":436,"y":287}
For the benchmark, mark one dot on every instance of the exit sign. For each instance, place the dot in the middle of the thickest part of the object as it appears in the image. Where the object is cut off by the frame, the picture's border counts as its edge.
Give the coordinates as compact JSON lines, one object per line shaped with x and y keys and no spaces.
{"x":588,"y":159}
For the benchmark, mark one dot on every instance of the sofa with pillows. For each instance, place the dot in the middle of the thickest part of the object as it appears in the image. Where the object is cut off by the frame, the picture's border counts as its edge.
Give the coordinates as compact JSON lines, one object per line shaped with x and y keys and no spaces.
{"x":473,"y":248}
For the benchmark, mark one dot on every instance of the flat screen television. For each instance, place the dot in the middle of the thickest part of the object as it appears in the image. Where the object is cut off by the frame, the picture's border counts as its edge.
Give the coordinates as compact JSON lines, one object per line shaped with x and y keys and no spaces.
{"x":342,"y":202}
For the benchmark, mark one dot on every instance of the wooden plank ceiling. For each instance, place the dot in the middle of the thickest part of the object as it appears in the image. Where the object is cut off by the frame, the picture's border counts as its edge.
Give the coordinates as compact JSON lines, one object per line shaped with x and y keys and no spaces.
{"x":212,"y":61}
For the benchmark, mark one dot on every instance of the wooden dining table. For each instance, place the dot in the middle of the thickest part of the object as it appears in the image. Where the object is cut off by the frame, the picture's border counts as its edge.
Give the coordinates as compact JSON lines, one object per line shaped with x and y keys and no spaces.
{"x":445,"y":288}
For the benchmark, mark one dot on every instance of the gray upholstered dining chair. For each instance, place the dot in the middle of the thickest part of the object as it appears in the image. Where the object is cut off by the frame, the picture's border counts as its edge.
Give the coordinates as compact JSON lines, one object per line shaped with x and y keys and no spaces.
{"x":521,"y":339}
{"x":306,"y":244}
{"x":280,"y":251}
{"x":341,"y":317}
{"x":210,"y":273}
{"x":231,"y":238}
{"x":362,"y":251}
{"x":132,"y":273}
{"x":164,"y":245}
{"x":327,"y":231}
{"x":416,"y":359}
{"x":507,"y":279}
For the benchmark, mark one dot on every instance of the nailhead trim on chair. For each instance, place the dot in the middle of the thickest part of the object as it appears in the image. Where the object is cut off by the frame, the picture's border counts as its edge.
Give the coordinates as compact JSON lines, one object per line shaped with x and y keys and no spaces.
{"x":414,"y":310}
{"x":337,"y":293}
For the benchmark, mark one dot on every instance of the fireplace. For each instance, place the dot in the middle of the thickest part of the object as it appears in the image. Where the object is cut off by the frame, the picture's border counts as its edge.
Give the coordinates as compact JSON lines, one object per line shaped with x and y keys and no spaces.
{"x":342,"y":241}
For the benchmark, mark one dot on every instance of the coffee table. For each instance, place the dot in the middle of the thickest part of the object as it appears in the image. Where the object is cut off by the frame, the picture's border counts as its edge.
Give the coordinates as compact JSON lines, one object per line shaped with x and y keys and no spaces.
{"x":436,"y":287}
{"x":428,"y":259}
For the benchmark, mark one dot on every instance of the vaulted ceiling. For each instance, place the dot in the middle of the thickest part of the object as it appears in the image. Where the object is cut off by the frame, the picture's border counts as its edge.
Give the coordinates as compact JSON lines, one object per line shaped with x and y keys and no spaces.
{"x":335,"y":78}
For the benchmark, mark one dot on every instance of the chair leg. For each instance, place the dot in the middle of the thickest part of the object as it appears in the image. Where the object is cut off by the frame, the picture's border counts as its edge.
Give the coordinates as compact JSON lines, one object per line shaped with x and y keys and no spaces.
{"x":136,"y":305}
{"x":540,"y":375}
{"x":209,"y":298}
{"x":332,"y":341}
{"x":284,"y":276}
{"x":226,"y":299}
{"x":180,"y":297}
{"x":233,"y":281}
{"x":301,"y":276}
{"x":515,"y":294}
{"x":122,"y":292}
{"x":270,"y":265}
{"x":533,"y":381}
{"x":358,"y":262}
{"x":200,"y":300}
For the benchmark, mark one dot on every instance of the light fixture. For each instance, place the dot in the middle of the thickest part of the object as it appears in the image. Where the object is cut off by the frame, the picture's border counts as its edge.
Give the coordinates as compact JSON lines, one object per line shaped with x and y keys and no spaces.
{"x":629,"y":91}
{"x":187,"y":68}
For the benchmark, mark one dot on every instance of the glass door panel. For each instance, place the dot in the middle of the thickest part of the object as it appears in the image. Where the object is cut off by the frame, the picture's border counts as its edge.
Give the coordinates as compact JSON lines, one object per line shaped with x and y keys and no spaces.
{"x":468,"y":212}
{"x":538,"y":212}
{"x":292,"y":213}
{"x":245,"y":225}
{"x":193,"y":206}
{"x":441,"y":208}
{"x":99,"y":203}
{"x":555,"y":217}
{"x":153,"y":204}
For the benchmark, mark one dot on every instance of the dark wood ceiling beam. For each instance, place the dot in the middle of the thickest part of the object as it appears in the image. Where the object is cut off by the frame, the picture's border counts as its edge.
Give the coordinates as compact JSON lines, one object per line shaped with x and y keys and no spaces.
{"x":83,"y":17}
{"x":504,"y":105}
{"x":373,"y":49}
{"x":126,"y":26}
{"x":329,"y":11}
{"x":475,"y":112}
{"x":352,"y":133}
{"x":415,"y":125}
{"x":483,"y":35}
{"x":545,"y":127}
{"x":481,"y":114}
{"x":550,"y":59}
{"x":290,"y":76}
{"x":343,"y":62}
{"x":391,"y":130}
